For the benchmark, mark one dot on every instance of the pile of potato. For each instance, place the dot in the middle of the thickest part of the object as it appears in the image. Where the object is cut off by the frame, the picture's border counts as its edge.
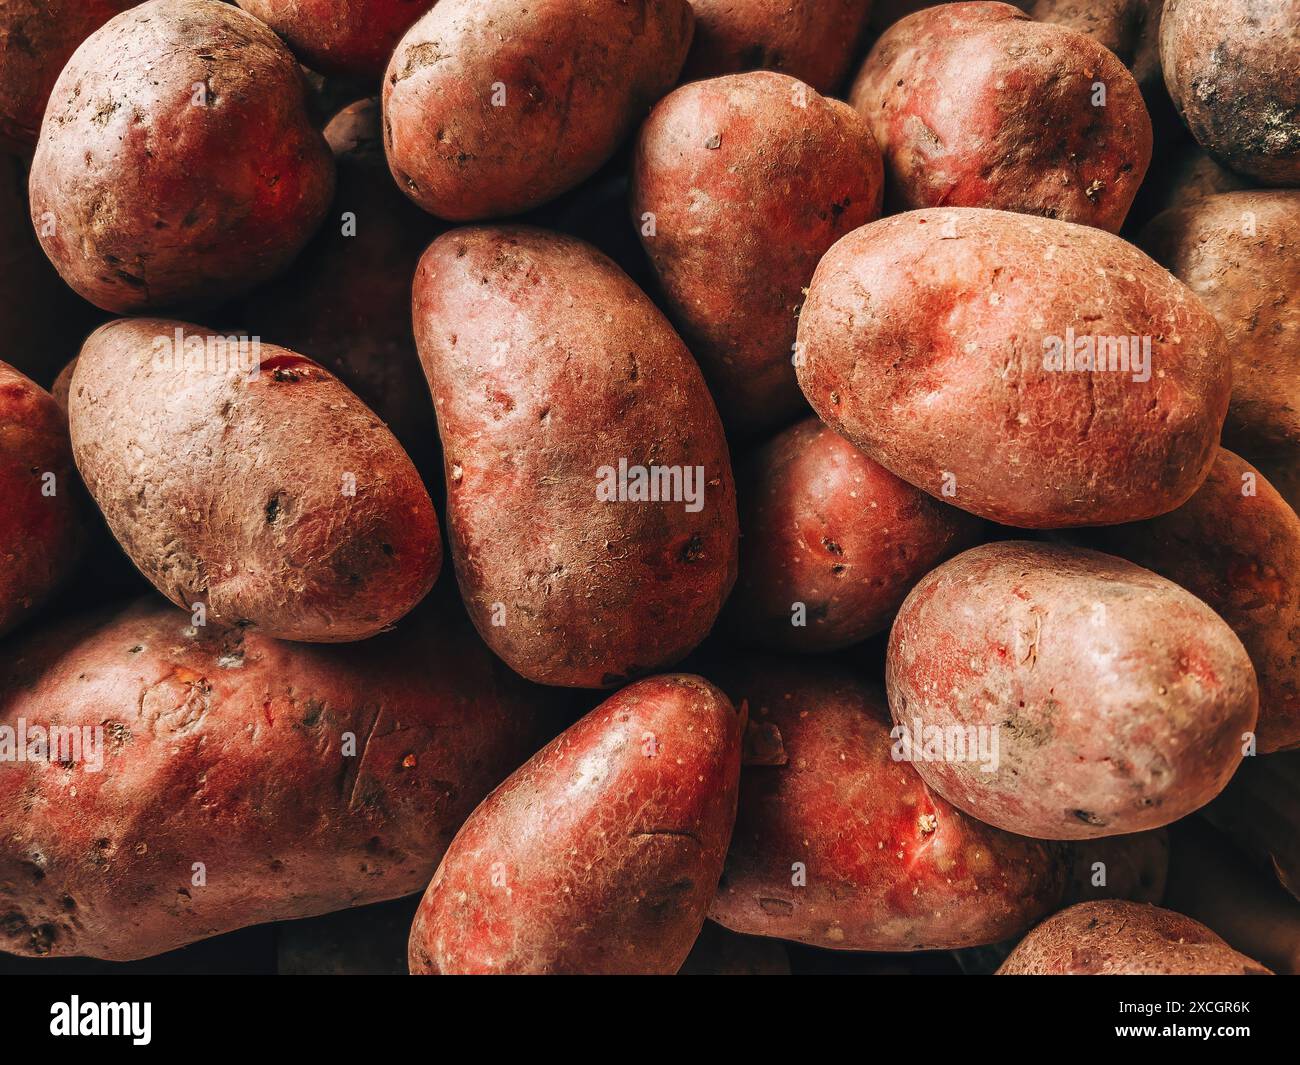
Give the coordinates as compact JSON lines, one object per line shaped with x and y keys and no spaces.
{"x":865,"y":443}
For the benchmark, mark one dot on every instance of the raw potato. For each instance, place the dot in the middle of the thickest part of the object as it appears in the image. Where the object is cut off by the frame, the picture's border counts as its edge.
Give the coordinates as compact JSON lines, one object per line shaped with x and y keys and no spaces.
{"x":149,"y":192}
{"x":813,"y":40}
{"x":1118,"y":701}
{"x":888,"y":864}
{"x":42,"y":529}
{"x":974,"y":105}
{"x":926,"y":340}
{"x":1196,"y":176}
{"x":601,"y":853}
{"x":1133,"y":867}
{"x":227,"y":795}
{"x":833,"y":542}
{"x":1231,"y":66}
{"x":1115,"y":938}
{"x":550,"y":370}
{"x":267,"y":493}
{"x":492,"y":107}
{"x":739,"y":186}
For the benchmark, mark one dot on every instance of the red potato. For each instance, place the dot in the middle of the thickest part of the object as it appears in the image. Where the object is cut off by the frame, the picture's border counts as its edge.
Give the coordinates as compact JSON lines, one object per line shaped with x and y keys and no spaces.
{"x":601,"y":854}
{"x":975,"y":105}
{"x":1117,"y":701}
{"x":1195,"y":176}
{"x":833,"y":542}
{"x":739,"y":186}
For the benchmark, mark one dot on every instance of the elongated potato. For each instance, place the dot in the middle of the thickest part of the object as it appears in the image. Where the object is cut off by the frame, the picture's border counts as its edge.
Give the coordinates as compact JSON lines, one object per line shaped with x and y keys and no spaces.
{"x":217,"y":779}
{"x":590,"y":503}
{"x":247,"y":479}
{"x":601,"y":854}
{"x":840,"y":844}
{"x":1118,"y":701}
{"x":954,"y":346}
{"x":739,"y":186}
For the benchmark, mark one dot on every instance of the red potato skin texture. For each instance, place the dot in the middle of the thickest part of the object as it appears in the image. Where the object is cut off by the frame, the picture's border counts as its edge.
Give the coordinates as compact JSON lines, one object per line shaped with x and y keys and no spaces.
{"x":975,"y":105}
{"x":142,"y":198}
{"x":772,"y":174}
{"x":923,"y":341}
{"x":578,"y":75}
{"x":595,"y":857}
{"x":812,"y":40}
{"x":41,"y":536}
{"x":227,"y":748}
{"x":827,"y":527}
{"x":340,"y":38}
{"x":547,"y":364}
{"x":1114,"y":938}
{"x":1120,"y":701}
{"x":890,"y":865}
{"x":1231,"y":69}
{"x":282,"y":543}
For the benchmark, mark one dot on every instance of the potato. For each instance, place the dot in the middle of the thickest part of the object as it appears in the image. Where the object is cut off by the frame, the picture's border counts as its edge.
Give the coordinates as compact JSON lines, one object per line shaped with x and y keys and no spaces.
{"x":42,"y":527}
{"x":1230,"y":66}
{"x":340,"y":38}
{"x":974,"y":105}
{"x":1195,"y":176}
{"x":1133,"y":867}
{"x":1114,"y":938}
{"x":1260,"y":812}
{"x":833,"y":542}
{"x":1236,"y":545}
{"x":226,"y":779}
{"x":840,"y":844}
{"x":601,"y":853}
{"x":177,"y":162}
{"x":265,"y":493}
{"x":1240,"y":254}
{"x":492,"y":107}
{"x":813,"y":40}
{"x":935,"y":341}
{"x":591,"y":508}
{"x":739,"y":186}
{"x":1117,"y":701}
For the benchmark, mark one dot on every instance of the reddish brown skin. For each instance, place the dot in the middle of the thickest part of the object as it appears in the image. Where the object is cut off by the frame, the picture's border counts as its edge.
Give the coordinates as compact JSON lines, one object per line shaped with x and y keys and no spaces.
{"x":282,"y":545}
{"x":1230,"y":67}
{"x":889,"y":864}
{"x":827,"y":527}
{"x":772,"y":175}
{"x":340,"y":38}
{"x":226,"y":748}
{"x":1236,"y":545}
{"x":1121,"y":702}
{"x":923,"y":341}
{"x":1251,"y":284}
{"x":569,"y":589}
{"x":601,"y":853}
{"x":41,"y":535}
{"x":578,"y":75}
{"x":143,"y":199}
{"x":1114,"y":938}
{"x":812,"y":40}
{"x":945,"y":92}
{"x":1136,"y":868}
{"x":1195,"y":176}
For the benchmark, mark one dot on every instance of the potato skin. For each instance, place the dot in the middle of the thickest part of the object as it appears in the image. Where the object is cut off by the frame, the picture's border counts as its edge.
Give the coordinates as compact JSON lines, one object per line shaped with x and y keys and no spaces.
{"x":143,"y":199}
{"x":940,"y":369}
{"x":1115,"y":938}
{"x":227,"y":748}
{"x":287,"y":543}
{"x":945,"y":89}
{"x":828,"y":527}
{"x":1230,"y":66}
{"x":601,"y":853}
{"x":889,"y":864}
{"x":577,"y":76}
{"x":750,"y":179}
{"x":1119,"y":699}
{"x":567,"y":588}
{"x":812,"y":40}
